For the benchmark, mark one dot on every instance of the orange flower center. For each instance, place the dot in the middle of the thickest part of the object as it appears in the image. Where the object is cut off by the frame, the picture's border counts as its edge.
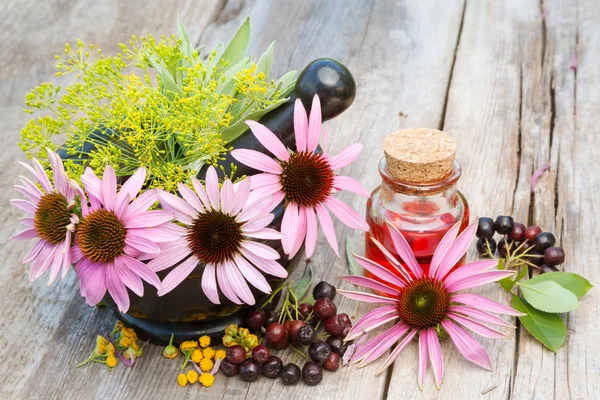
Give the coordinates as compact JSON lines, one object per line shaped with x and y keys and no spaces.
{"x":423,"y":303}
{"x":52,"y":218}
{"x":215,"y":237}
{"x":307,"y":178}
{"x":101,"y":236}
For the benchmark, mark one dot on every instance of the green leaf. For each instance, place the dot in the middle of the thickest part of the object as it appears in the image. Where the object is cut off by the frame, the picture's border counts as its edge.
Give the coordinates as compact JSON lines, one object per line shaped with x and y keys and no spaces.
{"x":238,"y":46}
{"x":235,"y":130}
{"x":576,"y":284}
{"x":168,"y":83}
{"x":352,"y":264}
{"x":264,"y":63}
{"x":548,"y":328}
{"x":508,"y":283}
{"x":549,"y":296}
{"x":301,"y":287}
{"x":286,"y":83}
{"x":186,"y":46}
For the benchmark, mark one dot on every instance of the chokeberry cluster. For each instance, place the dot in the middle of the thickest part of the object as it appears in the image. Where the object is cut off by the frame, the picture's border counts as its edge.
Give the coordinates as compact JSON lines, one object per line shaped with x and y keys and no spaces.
{"x":527,"y":246}
{"x":313,"y":332}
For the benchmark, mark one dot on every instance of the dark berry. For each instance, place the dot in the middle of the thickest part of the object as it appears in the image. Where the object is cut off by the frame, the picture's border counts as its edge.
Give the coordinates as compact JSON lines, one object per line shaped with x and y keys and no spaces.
{"x":249,"y":370}
{"x":236,"y":354}
{"x":543,"y":241}
{"x":290,"y":374}
{"x":294,"y":328}
{"x":334,"y":326}
{"x":275,"y":332}
{"x":485,"y":228}
{"x":286,"y":326}
{"x":272,"y":367}
{"x":503,"y":224}
{"x":336,"y":344}
{"x":312,"y":373}
{"x":319,"y":351}
{"x":305,"y":309}
{"x":531,"y":232}
{"x":256,"y":318}
{"x":332,"y":363}
{"x":554,"y":256}
{"x":228,"y":369}
{"x":518,"y":232}
{"x":547,"y":268}
{"x":260,"y":354}
{"x":482,"y":246}
{"x":306,"y":335}
{"x":271,"y":316}
{"x":347,"y":323}
{"x":324,"y":290}
{"x":313,"y":321}
{"x":324,"y":308}
{"x":502,"y":246}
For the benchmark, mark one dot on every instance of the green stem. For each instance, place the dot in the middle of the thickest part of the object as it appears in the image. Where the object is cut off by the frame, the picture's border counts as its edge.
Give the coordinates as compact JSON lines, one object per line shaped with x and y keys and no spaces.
{"x":297,"y":351}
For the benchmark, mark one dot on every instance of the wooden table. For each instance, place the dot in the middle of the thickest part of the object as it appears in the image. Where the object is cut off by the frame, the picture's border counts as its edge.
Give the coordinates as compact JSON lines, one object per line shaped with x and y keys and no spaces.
{"x":495,"y":74}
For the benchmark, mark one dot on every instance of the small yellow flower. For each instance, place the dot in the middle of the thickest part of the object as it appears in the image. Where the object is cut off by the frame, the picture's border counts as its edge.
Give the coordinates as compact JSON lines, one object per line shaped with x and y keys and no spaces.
{"x":110,"y":349}
{"x":192,"y":376}
{"x":204,"y":341}
{"x":197,"y":356}
{"x":126,"y":341}
{"x":129,"y":332}
{"x":208,"y":352}
{"x":206,"y":364}
{"x":182,"y":379}
{"x":189,"y":345}
{"x":207,"y":379}
{"x":220,"y":354}
{"x":111,"y":361}
{"x":243,"y":332}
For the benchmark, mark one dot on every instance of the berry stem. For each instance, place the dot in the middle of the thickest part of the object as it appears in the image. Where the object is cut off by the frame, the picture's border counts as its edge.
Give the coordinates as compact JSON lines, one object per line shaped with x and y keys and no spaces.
{"x":297,"y":351}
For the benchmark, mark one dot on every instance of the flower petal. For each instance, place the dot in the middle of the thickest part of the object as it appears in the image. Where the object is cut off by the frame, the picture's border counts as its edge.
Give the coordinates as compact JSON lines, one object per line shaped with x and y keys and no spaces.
{"x":314,"y":125}
{"x":357,"y":329}
{"x":349,"y":184}
{"x":132,"y":186}
{"x":379,"y":271}
{"x":226,"y":285}
{"x":435,"y":356}
{"x":256,"y":160}
{"x":109,"y":193}
{"x":311,"y":230}
{"x":171,"y":256}
{"x":242,"y":191}
{"x":370,"y":284}
{"x":299,"y":232}
{"x":442,"y":249}
{"x":148,"y":219}
{"x":130,"y":279}
{"x":227,"y":197}
{"x":252,"y":275}
{"x":469,"y":270}
{"x":264,"y":179}
{"x":327,"y":227}
{"x":346,"y":214}
{"x":35,"y":251}
{"x":212,"y":187}
{"x":190,"y":197}
{"x":201,"y":192}
{"x":367,"y":297}
{"x":142,"y":270}
{"x":255,"y":209}
{"x":177,"y":275}
{"x":300,"y":126}
{"x":404,"y":251}
{"x":93,"y":285}
{"x":29,"y":233}
{"x":384,"y":342}
{"x":468,"y":347}
{"x":475,"y":314}
{"x":477,"y":327}
{"x":259,"y":249}
{"x":115,"y":286}
{"x":269,"y":140}
{"x":209,"y":284}
{"x":483,"y":303}
{"x":238,"y":283}
{"x":270,"y":267}
{"x":346,"y":156}
{"x":423,"y":358}
{"x":479,"y":280}
{"x":41,"y":175}
{"x":456,"y":251}
{"x":392,"y":260}
{"x":23,"y":205}
{"x":289,"y":226}
{"x":396,"y":352}
{"x":181,"y":209}
{"x":141,"y":204}
{"x":142,"y":244}
{"x":264,"y":233}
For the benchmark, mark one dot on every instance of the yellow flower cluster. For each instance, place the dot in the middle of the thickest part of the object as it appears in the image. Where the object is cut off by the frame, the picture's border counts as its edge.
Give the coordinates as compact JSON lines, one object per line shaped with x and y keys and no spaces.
{"x":125,"y":342}
{"x":242,"y":336}
{"x":202,"y":354}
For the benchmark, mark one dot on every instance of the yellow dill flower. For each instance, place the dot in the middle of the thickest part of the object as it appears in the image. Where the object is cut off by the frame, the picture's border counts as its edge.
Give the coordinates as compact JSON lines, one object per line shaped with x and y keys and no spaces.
{"x":204,"y":341}
{"x":197,"y":356}
{"x":206,"y":364}
{"x":126,"y":341}
{"x":189,"y":345}
{"x":207,"y":379}
{"x":220,"y":354}
{"x":111,"y":361}
{"x":182,"y":379}
{"x":192,"y":376}
{"x":208,"y":352}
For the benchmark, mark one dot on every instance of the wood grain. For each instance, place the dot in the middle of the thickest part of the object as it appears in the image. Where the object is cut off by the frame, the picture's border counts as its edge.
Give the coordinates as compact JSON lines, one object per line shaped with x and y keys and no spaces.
{"x":494,"y":74}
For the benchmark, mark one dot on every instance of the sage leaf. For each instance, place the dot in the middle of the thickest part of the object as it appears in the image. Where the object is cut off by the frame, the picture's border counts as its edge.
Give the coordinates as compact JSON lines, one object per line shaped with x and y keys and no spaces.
{"x":238,"y":46}
{"x":264,"y":62}
{"x":574,"y":283}
{"x":549,"y":296}
{"x":353,"y":267}
{"x":301,"y":287}
{"x":548,"y":328}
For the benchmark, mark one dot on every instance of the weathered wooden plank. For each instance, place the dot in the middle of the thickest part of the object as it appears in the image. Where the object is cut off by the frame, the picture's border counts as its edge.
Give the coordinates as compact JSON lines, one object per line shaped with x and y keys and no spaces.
{"x":41,"y":328}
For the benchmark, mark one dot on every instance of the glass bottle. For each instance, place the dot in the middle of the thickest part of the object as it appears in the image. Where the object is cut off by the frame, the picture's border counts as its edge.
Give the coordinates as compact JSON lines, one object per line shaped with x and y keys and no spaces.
{"x":418,"y":194}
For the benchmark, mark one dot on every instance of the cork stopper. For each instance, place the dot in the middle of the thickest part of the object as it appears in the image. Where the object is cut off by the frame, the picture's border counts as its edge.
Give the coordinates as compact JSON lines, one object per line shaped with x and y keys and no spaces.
{"x":419,"y":155}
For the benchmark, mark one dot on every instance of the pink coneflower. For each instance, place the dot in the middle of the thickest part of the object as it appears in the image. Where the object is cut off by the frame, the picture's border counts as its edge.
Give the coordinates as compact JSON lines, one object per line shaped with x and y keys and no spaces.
{"x":52,"y":222}
{"x":221,"y":228}
{"x":305,"y":179}
{"x":424,"y":304}
{"x":113,"y":233}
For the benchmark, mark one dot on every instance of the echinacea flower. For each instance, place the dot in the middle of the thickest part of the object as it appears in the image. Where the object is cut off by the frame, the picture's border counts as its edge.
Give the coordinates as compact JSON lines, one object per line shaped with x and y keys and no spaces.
{"x":52,"y":221}
{"x":220,"y":231}
{"x":113,"y":233}
{"x":421,"y":304}
{"x":305,"y":179}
